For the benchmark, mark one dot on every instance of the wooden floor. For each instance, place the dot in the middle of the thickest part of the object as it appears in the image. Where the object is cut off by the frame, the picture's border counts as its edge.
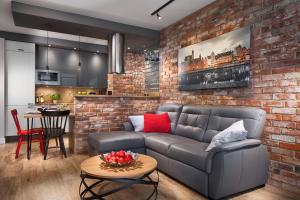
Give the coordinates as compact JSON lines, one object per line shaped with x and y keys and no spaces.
{"x":58,"y":178}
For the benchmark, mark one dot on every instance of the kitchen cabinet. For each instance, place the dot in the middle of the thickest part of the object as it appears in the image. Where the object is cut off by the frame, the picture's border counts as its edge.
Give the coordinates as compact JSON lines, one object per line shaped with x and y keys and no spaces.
{"x":68,"y":79}
{"x":20,"y":81}
{"x":91,"y":73}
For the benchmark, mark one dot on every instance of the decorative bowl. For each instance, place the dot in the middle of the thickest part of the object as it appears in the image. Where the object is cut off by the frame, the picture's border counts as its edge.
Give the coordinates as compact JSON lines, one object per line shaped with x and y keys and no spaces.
{"x":119,"y":158}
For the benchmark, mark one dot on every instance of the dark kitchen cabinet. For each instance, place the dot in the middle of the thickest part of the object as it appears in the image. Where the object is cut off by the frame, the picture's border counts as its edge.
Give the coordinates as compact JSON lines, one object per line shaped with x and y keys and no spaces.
{"x":91,"y":73}
{"x":68,"y":79}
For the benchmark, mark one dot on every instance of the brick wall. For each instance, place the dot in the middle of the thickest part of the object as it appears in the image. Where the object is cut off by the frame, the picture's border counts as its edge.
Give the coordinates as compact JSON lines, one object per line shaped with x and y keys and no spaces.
{"x":95,"y":114}
{"x":275,"y":78}
{"x":133,"y":81}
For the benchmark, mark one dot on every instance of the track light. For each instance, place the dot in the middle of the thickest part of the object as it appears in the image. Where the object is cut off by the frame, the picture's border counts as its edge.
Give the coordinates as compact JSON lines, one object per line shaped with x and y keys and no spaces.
{"x":160,"y":9}
{"x":158,"y":16}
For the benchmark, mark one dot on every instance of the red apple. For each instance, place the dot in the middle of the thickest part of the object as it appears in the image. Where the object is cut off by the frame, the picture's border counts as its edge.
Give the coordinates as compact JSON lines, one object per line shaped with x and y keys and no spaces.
{"x":128,"y":157}
{"x":121,"y":160}
{"x":113,"y":159}
{"x":113,"y":153}
{"x":121,"y":153}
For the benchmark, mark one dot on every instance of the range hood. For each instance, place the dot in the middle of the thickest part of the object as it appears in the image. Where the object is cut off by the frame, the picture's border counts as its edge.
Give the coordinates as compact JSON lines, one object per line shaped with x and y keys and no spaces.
{"x":116,"y":54}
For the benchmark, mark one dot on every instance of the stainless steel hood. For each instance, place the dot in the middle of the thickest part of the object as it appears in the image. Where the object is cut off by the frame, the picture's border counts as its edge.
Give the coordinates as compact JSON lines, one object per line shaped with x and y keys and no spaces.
{"x":116,"y":54}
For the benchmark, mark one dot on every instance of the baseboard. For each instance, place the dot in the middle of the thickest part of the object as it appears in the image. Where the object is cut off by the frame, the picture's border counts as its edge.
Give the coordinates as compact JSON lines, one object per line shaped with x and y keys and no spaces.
{"x":2,"y":140}
{"x":13,"y":138}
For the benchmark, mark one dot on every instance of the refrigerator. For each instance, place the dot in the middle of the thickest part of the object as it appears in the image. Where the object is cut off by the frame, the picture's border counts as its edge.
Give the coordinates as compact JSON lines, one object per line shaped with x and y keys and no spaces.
{"x":20,"y":82}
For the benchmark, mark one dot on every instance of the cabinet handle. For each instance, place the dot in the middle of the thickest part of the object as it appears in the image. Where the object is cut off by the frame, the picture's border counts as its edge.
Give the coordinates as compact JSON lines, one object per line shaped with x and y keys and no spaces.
{"x":21,"y":50}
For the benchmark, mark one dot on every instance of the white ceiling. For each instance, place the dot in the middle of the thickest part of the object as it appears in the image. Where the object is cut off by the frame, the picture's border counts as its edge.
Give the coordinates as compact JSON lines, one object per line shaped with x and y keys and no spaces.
{"x":133,"y":12}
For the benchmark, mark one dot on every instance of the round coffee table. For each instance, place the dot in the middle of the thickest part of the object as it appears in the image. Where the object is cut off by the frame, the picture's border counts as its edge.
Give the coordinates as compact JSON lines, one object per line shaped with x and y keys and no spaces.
{"x":138,"y":173}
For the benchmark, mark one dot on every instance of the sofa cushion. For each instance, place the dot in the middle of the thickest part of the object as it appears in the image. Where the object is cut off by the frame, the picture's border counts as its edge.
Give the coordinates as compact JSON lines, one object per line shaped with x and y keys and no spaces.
{"x":221,"y":118}
{"x":157,"y":123}
{"x":161,"y":143}
{"x":193,"y":121}
{"x":138,"y":122}
{"x":233,"y":133}
{"x":191,"y":153}
{"x":173,"y":111}
{"x":117,"y":140}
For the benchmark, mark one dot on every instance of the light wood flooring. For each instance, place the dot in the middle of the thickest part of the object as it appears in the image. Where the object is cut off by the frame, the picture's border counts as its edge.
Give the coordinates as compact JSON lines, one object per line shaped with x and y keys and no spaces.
{"x":57,"y":178}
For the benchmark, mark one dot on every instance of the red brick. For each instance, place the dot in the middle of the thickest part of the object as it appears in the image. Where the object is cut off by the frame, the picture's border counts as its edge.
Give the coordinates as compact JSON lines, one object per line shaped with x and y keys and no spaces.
{"x":289,"y":146}
{"x":273,"y":103}
{"x":298,"y":125}
{"x":289,"y":118}
{"x":281,"y":70}
{"x":275,"y":117}
{"x":276,"y":156}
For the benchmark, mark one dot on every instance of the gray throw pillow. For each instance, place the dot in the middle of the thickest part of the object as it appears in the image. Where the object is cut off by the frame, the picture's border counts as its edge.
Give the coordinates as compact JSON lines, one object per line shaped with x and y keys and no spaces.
{"x":235,"y":132}
{"x":137,"y":122}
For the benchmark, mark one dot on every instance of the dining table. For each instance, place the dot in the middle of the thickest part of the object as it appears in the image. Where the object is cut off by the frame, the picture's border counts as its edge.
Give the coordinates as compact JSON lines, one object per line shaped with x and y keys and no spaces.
{"x":30,"y":117}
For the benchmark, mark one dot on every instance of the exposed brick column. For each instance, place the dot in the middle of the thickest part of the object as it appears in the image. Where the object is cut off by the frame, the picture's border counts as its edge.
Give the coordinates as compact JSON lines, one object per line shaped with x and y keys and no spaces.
{"x":133,"y":81}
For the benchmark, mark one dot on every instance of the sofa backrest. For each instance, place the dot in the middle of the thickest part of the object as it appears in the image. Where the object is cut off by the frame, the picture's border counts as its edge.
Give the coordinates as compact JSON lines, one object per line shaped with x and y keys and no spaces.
{"x":193,"y":122}
{"x":173,"y":111}
{"x":222,"y":117}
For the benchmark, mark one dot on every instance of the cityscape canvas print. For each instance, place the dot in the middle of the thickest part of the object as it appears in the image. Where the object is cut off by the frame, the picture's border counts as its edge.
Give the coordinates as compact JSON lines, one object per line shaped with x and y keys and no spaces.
{"x":220,"y":62}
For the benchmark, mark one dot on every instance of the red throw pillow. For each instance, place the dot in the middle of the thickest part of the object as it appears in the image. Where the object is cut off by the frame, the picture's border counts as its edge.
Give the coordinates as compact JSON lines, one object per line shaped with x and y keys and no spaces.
{"x":157,"y":123}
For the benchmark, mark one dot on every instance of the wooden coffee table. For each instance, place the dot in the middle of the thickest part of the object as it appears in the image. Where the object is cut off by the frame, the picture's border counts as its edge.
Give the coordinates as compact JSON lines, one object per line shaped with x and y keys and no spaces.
{"x":138,"y":173}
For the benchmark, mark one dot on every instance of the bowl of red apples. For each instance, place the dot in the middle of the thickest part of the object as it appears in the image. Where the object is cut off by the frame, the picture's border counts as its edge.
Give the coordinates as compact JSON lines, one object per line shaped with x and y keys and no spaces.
{"x":119,"y":158}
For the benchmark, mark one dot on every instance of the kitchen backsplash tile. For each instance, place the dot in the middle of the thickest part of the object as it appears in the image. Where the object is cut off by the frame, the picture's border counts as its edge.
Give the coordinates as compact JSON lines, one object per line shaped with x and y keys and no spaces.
{"x":66,"y":93}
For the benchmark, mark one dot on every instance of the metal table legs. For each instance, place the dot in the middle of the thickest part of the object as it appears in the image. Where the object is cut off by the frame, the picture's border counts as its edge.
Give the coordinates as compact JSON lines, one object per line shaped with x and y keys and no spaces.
{"x":125,"y":183}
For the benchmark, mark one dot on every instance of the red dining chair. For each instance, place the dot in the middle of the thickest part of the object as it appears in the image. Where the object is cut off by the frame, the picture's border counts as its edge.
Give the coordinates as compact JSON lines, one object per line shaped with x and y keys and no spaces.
{"x":21,"y":133}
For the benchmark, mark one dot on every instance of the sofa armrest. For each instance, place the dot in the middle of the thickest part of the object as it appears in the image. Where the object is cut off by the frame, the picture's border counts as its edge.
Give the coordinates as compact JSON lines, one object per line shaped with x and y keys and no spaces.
{"x":128,"y":126}
{"x":237,"y":167}
{"x":237,"y":145}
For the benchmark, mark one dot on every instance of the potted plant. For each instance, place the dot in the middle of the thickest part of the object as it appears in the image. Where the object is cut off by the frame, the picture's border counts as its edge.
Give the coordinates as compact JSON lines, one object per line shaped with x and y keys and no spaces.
{"x":55,"y":98}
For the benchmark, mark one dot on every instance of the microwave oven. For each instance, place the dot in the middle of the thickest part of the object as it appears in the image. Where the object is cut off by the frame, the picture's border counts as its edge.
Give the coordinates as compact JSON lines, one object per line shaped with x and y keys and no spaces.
{"x":47,"y":77}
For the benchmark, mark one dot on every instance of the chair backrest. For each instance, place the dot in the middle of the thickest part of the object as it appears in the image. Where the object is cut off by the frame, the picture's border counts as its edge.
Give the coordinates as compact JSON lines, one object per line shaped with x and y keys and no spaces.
{"x":14,"y":114}
{"x":54,"y":122}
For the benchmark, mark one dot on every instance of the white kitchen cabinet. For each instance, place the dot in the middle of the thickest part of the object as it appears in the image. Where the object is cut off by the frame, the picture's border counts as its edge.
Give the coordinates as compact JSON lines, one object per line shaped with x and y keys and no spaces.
{"x":19,"y":46}
{"x":20,"y":81}
{"x":20,"y":78}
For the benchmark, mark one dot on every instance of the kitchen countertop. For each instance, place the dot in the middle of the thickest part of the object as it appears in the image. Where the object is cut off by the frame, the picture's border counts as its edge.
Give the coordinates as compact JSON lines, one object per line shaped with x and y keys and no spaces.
{"x":59,"y":103}
{"x":116,"y":96}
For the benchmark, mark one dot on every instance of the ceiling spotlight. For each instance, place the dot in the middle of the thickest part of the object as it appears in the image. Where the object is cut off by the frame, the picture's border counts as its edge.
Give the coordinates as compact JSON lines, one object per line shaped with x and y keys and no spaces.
{"x":128,"y":48}
{"x":158,"y":16}
{"x":97,"y":51}
{"x":74,"y":48}
{"x":49,"y":45}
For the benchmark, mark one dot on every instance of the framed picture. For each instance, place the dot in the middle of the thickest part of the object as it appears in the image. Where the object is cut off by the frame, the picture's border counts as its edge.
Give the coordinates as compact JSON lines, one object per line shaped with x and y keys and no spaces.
{"x":219,"y":62}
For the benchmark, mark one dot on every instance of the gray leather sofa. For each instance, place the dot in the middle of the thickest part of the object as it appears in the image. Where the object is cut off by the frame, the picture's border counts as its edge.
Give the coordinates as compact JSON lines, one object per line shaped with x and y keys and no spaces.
{"x":224,"y":171}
